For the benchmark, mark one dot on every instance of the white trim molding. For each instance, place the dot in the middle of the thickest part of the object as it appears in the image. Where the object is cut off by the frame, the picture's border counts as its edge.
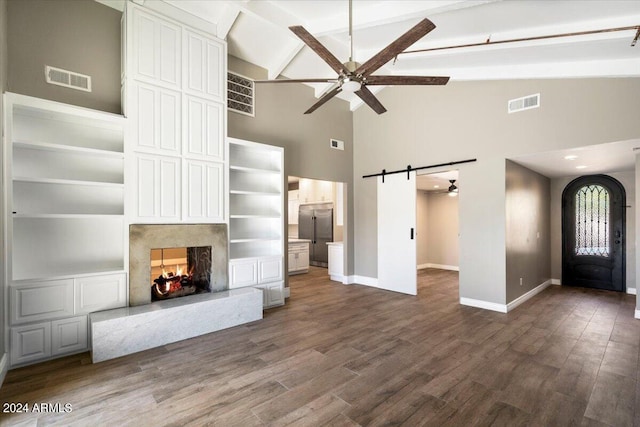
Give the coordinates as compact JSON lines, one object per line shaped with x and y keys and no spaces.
{"x":522,"y":298}
{"x":632,"y":291}
{"x":556,"y":282}
{"x":439,"y":266}
{"x":637,"y":315}
{"x":4,"y":367}
{"x":367,"y":281}
{"x":501,"y":308}
{"x":287,"y":292}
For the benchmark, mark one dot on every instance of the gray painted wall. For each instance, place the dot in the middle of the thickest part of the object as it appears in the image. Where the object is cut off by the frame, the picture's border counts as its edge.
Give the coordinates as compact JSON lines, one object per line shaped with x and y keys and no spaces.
{"x":3,"y":87}
{"x":75,"y":35}
{"x":628,"y":181}
{"x":527,"y":229}
{"x":430,"y":125}
{"x":437,"y":224}
{"x":279,"y":120}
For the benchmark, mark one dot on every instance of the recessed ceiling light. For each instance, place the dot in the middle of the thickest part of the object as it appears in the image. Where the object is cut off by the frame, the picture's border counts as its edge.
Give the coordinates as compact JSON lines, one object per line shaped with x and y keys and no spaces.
{"x":436,"y":186}
{"x":580,"y":167}
{"x":570,"y":157}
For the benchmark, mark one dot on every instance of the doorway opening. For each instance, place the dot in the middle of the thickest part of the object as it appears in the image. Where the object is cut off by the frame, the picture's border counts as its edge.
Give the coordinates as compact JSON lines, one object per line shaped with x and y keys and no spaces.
{"x":437,"y":223}
{"x":316,"y":212}
{"x":593,"y":233}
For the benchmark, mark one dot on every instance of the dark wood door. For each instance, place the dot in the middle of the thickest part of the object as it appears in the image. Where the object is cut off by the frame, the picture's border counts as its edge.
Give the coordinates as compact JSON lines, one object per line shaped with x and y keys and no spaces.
{"x":593,"y":230}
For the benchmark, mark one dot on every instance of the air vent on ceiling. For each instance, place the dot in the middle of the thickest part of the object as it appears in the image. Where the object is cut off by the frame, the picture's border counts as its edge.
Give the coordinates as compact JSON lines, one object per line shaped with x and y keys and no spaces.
{"x":337,"y":144}
{"x":524,"y":103}
{"x":60,"y":77}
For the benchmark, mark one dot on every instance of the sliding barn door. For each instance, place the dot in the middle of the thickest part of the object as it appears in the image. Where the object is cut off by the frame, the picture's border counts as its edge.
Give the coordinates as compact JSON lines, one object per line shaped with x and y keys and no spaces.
{"x":396,"y":233}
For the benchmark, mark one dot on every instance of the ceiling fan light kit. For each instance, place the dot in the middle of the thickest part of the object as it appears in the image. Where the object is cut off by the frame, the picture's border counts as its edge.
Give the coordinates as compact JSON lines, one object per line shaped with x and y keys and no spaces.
{"x":354,"y":77}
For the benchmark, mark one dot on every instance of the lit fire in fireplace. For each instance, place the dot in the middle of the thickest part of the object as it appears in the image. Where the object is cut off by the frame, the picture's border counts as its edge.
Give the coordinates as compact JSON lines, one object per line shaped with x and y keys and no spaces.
{"x":170,"y":283}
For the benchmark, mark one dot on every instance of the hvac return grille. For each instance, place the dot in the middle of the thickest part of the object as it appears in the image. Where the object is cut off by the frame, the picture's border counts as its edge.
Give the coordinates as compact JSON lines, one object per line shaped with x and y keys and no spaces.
{"x":60,"y":77}
{"x":240,"y":94}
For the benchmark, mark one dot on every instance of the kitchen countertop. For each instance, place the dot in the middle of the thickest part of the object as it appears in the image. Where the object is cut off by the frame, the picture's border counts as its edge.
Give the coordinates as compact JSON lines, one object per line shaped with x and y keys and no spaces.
{"x":299,"y":241}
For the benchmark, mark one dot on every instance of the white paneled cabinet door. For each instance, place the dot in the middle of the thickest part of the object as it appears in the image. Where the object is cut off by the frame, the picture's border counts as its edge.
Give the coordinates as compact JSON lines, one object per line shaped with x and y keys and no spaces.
{"x":158,"y":187}
{"x":205,"y":59}
{"x":204,"y":191}
{"x":31,"y":342}
{"x":68,"y":335}
{"x":98,"y":293}
{"x":157,"y":49}
{"x":204,"y":136}
{"x":157,"y":120}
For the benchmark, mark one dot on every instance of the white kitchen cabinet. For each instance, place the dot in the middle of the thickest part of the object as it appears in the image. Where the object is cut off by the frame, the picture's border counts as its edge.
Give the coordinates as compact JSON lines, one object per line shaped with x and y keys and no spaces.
{"x":158,"y":189}
{"x":256,"y":206}
{"x":156,"y":118}
{"x":205,"y":129}
{"x":65,"y":224}
{"x":336,"y":261}
{"x":69,"y":335}
{"x":298,"y":257}
{"x":272,"y":294}
{"x":206,"y":66}
{"x":204,"y":196}
{"x":294,"y":206}
{"x":242,"y":273}
{"x":157,"y":47}
{"x":30,"y":343}
{"x":97,"y":293}
{"x":174,"y":77}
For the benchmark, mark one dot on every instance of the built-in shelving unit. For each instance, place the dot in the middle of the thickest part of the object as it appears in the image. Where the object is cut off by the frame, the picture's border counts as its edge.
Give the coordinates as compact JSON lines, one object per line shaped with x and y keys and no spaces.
{"x":65,"y":223}
{"x":256,"y":225}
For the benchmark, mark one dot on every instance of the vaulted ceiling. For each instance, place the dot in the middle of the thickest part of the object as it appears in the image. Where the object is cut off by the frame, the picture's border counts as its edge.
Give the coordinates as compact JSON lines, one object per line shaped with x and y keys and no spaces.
{"x":257,"y":32}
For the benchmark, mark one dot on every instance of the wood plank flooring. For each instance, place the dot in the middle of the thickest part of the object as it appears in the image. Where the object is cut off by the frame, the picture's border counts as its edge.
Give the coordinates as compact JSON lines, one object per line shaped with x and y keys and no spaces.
{"x":340,"y":355}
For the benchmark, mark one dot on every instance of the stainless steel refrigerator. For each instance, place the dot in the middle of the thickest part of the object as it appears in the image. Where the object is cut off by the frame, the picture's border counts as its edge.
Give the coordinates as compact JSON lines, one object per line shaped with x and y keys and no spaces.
{"x":315,"y":223}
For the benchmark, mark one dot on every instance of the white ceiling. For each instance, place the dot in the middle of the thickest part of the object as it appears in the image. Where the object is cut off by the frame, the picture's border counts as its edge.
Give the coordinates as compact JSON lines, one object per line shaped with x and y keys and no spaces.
{"x":257,"y":32}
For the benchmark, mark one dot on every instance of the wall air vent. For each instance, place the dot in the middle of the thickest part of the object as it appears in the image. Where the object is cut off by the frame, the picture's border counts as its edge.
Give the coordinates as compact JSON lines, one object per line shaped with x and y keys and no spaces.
{"x":337,"y":144}
{"x":240,"y":95}
{"x":60,"y":77}
{"x":524,"y":103}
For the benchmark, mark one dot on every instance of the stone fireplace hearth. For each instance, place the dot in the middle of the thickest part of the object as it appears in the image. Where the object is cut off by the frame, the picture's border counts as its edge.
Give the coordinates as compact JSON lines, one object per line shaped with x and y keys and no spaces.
{"x":145,"y":237}
{"x":122,"y":331}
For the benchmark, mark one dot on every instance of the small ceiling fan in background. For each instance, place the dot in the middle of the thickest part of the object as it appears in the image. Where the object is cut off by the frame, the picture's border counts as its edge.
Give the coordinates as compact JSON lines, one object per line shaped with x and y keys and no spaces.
{"x":355,"y":77}
{"x":451,"y":191}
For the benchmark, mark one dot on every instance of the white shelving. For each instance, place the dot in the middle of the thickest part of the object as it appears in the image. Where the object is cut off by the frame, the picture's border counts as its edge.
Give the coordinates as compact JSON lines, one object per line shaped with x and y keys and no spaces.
{"x":65,"y":223}
{"x":256,"y":226}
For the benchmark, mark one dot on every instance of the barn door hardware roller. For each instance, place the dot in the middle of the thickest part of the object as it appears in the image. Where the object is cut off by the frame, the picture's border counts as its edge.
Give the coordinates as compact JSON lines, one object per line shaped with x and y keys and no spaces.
{"x":409,"y":169}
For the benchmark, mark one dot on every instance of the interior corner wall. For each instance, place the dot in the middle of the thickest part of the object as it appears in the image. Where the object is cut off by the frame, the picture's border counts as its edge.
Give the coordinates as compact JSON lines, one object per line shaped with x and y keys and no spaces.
{"x":628,"y":181}
{"x":527,"y":205}
{"x":76,"y":35}
{"x":279,"y":121}
{"x":469,"y":120}
{"x":442,"y":230}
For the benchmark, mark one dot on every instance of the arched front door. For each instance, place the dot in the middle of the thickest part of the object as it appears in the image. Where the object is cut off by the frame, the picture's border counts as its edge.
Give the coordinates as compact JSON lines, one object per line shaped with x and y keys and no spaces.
{"x":593,"y":230}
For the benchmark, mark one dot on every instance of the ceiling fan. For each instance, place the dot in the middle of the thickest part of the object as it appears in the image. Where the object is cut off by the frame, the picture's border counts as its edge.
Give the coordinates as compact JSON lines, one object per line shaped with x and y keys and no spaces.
{"x":451,"y":191}
{"x":355,"y":77}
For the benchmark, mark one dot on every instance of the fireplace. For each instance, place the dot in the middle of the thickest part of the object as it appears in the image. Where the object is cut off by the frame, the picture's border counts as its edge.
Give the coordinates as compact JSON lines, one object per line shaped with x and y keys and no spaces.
{"x":200,"y":251}
{"x":178,"y":272}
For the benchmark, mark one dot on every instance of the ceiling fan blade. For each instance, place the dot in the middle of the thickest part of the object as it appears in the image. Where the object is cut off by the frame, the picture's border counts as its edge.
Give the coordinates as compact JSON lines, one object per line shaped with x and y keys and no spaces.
{"x":333,"y":80}
{"x":401,"y":43}
{"x":370,"y":99}
{"x":406,"y":80}
{"x":318,"y":48}
{"x":327,"y":96}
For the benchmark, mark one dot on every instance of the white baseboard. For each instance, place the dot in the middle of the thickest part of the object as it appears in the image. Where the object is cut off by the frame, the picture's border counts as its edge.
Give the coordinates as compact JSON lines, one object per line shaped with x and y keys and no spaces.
{"x":4,"y":367}
{"x":287,"y":292}
{"x":364,"y":280}
{"x":556,"y":282}
{"x":501,"y":308}
{"x":637,"y":315}
{"x":522,"y":298}
{"x":439,"y":266}
{"x":632,"y":291}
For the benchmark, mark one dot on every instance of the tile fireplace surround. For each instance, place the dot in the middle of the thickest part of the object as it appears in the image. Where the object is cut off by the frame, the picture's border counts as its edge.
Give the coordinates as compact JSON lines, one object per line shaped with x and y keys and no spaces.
{"x":123,"y":331}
